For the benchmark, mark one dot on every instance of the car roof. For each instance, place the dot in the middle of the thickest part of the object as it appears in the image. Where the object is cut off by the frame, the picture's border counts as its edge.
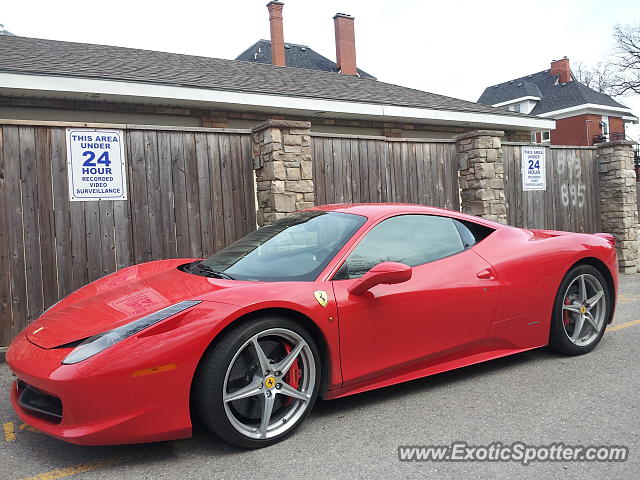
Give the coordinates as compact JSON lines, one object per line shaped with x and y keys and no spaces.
{"x":375,"y":211}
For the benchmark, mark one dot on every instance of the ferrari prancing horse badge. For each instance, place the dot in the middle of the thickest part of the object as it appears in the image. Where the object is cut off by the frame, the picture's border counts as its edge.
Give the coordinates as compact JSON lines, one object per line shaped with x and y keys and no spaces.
{"x":321,"y":297}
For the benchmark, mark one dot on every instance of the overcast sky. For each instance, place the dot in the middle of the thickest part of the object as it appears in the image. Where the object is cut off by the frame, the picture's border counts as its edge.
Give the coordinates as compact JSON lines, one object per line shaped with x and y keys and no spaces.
{"x":455,"y":48}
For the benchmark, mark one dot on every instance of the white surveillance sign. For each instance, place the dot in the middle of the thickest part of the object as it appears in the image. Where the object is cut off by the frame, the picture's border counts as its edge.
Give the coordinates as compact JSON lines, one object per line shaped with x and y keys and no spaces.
{"x":96,"y":165}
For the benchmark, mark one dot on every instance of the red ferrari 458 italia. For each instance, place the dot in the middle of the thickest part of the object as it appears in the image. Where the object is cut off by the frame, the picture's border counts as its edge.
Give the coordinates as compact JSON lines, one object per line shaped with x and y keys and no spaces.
{"x":327,"y":302}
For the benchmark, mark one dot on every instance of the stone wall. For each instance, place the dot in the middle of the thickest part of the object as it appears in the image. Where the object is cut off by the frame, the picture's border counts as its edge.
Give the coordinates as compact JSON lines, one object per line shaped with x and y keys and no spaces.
{"x":281,"y":151}
{"x":482,"y":174}
{"x":618,"y":200}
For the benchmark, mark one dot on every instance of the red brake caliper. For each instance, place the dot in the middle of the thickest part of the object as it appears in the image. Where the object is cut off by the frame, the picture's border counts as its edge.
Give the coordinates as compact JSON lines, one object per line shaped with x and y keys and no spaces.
{"x":565,"y":315}
{"x":293,"y":375}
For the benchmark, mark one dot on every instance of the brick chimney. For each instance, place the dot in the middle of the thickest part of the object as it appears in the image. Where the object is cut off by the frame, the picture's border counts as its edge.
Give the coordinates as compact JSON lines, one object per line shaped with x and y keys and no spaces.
{"x":277,"y":35}
{"x":561,"y":67}
{"x":345,"y":43}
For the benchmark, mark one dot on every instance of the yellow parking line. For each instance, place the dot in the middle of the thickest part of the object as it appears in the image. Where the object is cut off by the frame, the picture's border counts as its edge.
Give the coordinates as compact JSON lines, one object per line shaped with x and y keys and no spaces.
{"x":623,"y":325}
{"x":89,"y":466}
{"x":9,"y":432}
{"x":106,"y":462}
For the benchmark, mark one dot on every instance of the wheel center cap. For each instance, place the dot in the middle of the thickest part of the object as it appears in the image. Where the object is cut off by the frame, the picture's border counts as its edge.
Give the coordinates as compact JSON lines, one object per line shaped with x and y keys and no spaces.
{"x":583,"y":309}
{"x":270,"y":381}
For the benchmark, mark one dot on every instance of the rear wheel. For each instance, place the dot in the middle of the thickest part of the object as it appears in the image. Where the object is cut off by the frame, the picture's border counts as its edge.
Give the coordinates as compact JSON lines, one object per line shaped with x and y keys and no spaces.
{"x":258,"y":382}
{"x":582,"y":307}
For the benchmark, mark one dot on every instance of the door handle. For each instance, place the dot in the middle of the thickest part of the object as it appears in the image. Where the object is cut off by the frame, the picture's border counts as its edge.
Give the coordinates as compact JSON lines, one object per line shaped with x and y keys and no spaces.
{"x":486,"y":274}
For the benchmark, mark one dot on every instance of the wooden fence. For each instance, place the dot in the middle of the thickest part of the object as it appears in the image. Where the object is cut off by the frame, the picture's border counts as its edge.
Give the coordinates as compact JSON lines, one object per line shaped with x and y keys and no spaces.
{"x":376,"y":169}
{"x":571,"y":201}
{"x":190,"y":192}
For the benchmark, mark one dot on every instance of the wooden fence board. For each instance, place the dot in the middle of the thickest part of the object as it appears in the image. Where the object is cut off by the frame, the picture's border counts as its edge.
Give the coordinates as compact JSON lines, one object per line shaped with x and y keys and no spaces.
{"x":167,"y":196}
{"x":28,"y":190}
{"x":154,"y":201}
{"x":5,"y":265}
{"x":217,"y":192}
{"x":46,"y":225}
{"x":15,"y":239}
{"x":179,"y":186}
{"x":62,"y":220}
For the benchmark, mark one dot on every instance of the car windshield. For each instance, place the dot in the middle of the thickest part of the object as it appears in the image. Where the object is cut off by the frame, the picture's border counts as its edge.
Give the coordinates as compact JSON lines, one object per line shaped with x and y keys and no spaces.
{"x":295,"y":248}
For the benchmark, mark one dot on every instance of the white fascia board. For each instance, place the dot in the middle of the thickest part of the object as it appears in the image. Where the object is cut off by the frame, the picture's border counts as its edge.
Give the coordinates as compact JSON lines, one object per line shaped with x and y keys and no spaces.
{"x":526,"y":123}
{"x":516,"y":100}
{"x":585,"y":108}
{"x":310,"y":106}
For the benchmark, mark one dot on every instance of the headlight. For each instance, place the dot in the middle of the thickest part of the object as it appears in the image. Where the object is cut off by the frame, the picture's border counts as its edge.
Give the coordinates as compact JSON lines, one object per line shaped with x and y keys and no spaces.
{"x":101,"y":341}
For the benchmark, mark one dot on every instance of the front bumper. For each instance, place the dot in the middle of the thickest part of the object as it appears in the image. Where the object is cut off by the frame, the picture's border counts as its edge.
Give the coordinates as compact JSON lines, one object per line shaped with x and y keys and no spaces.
{"x":102,"y":403}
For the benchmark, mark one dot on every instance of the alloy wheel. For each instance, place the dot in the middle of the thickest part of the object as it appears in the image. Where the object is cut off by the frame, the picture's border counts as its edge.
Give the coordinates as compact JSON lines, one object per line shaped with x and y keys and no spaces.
{"x":584,"y":309}
{"x":269,"y":383}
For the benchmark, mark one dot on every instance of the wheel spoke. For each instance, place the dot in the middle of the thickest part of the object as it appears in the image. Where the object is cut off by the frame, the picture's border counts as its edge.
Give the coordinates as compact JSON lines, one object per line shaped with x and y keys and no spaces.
{"x":284,"y":365}
{"x":249,"y":391}
{"x":288,"y":390}
{"x":577,"y":328}
{"x":267,"y":408}
{"x":572,"y":308}
{"x":591,"y":321}
{"x":582,"y":292}
{"x":595,"y":299}
{"x":262,"y":358}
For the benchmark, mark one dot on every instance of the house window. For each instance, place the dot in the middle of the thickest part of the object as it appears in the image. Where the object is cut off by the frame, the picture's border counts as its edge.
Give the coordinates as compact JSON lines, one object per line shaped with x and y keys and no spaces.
{"x":546,"y":136}
{"x":533,"y":137}
{"x":514,"y":108}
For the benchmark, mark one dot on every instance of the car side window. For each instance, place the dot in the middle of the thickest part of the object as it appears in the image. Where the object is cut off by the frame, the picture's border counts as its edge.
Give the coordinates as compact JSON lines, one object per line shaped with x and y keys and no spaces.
{"x":409,"y":239}
{"x":472,"y":233}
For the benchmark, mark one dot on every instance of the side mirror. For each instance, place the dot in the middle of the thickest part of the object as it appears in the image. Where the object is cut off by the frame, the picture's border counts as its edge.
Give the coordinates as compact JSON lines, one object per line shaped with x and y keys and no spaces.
{"x":385,"y":273}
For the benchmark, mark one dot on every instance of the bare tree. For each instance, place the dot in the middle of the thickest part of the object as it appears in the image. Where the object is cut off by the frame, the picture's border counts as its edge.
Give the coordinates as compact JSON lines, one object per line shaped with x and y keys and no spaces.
{"x":626,"y":59}
{"x":600,"y":77}
{"x":3,"y":31}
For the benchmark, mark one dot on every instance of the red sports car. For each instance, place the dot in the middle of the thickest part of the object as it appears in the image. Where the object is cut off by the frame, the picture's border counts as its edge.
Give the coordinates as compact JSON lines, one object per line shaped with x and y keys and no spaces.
{"x":327,"y":302}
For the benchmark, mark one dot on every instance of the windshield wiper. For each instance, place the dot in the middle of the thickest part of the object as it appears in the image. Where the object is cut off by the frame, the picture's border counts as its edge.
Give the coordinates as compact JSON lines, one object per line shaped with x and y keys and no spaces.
{"x":210,"y":271}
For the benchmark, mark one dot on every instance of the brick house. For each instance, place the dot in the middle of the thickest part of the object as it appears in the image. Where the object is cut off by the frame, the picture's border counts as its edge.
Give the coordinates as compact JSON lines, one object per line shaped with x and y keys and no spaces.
{"x":48,"y":80}
{"x":583,"y":116}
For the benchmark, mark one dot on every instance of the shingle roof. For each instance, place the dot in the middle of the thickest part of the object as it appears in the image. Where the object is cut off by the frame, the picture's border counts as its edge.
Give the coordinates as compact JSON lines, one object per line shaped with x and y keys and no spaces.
{"x":50,"y":57}
{"x":553,"y":95}
{"x":299,"y":56}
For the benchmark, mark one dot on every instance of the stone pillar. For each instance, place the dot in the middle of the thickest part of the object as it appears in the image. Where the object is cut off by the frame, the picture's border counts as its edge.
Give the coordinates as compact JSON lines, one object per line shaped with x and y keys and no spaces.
{"x":482,"y":174}
{"x":618,"y":200}
{"x":281,"y":152}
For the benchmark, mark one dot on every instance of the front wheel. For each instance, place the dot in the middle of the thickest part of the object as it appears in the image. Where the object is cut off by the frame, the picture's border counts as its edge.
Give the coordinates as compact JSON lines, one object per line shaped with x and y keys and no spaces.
{"x":581,"y":310}
{"x":258,"y":382}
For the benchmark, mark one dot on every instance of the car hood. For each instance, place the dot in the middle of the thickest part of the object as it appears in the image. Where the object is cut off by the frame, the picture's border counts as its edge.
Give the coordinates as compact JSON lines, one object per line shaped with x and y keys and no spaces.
{"x":118,"y":299}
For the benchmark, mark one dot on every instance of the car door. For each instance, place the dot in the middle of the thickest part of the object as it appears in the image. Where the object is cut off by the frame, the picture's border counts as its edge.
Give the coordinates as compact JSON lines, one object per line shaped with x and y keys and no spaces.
{"x":444,"y":309}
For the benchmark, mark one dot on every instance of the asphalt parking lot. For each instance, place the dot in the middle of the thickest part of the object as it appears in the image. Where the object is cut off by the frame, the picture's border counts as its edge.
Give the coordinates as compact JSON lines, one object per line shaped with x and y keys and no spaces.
{"x":538,"y":397}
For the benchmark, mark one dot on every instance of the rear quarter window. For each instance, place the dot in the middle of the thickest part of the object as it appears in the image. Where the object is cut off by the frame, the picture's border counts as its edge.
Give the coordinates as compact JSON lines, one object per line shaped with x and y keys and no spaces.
{"x":471,"y":232}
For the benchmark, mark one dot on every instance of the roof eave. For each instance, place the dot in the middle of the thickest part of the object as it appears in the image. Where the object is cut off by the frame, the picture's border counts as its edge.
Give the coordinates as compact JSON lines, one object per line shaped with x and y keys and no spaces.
{"x":588,"y":108}
{"x":92,"y":89}
{"x":513,"y":100}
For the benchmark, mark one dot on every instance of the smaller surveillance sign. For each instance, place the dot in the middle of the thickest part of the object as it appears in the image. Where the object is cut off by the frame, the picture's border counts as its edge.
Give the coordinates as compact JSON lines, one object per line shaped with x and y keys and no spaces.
{"x":96,"y":165}
{"x":534,"y":175}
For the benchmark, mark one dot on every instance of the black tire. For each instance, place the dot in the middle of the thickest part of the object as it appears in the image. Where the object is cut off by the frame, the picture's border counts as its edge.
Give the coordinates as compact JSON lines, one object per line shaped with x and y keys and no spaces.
{"x":210,"y":381}
{"x":558,"y":337}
